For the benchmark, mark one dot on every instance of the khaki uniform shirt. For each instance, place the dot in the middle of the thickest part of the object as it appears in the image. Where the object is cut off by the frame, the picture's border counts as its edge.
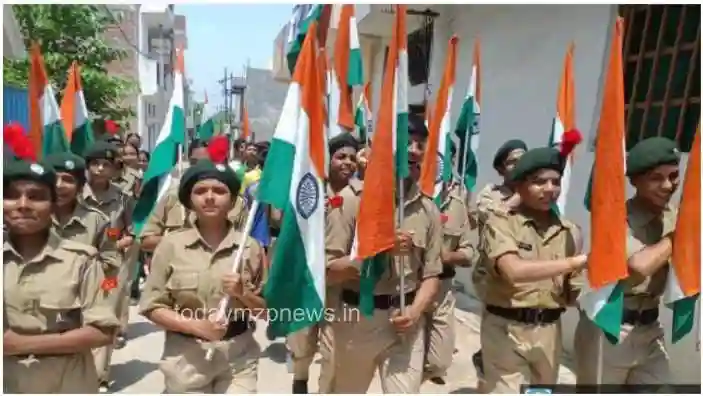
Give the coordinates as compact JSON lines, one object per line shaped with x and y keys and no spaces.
{"x":521,"y":235}
{"x":113,"y":203}
{"x":127,"y":180}
{"x":90,"y":227}
{"x":58,"y":290}
{"x":423,"y":218}
{"x":187,"y":274}
{"x":169,"y":215}
{"x":340,"y":223}
{"x":645,"y":228}
{"x":492,"y":200}
{"x":457,"y":226}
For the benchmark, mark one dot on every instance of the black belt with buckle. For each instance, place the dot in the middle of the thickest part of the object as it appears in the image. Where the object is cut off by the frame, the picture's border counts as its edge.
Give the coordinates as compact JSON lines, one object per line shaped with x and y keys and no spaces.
{"x":383,"y":301}
{"x":448,"y":272}
{"x":234,"y":328}
{"x":644,"y":318}
{"x":527,"y":315}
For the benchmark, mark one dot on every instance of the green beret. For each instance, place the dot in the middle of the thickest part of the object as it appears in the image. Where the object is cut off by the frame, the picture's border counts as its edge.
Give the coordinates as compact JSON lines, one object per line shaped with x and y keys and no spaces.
{"x":341,"y":141}
{"x":505,"y":150}
{"x":17,"y":169}
{"x":206,"y":169}
{"x":66,"y":162}
{"x":102,"y":149}
{"x":650,"y":153}
{"x":536,"y":159}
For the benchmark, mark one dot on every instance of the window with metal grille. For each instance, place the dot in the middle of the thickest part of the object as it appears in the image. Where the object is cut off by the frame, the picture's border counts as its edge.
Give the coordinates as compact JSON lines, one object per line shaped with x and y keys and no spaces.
{"x":662,"y":62}
{"x":419,"y":49}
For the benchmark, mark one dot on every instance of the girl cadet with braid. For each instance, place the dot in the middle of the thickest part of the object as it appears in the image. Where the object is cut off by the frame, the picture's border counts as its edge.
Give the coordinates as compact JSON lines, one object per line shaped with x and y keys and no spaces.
{"x":54,"y":303}
{"x":191,"y":271}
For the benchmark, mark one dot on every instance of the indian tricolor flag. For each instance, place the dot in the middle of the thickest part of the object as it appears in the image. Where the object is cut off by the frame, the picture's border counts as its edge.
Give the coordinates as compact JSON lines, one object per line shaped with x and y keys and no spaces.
{"x":602,"y":297}
{"x":684,"y":281}
{"x":293,"y":181}
{"x":164,"y":156}
{"x":305,"y":14}
{"x":436,"y":165}
{"x":363,"y":118}
{"x":387,"y":167}
{"x":348,"y":68}
{"x":565,"y":120}
{"x":467,"y":126}
{"x":74,"y":113}
{"x":45,"y":128}
{"x":207,"y":124}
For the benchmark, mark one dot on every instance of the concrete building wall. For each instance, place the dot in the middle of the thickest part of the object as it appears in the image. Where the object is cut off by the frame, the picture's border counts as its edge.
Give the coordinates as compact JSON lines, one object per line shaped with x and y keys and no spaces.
{"x":523,"y":48}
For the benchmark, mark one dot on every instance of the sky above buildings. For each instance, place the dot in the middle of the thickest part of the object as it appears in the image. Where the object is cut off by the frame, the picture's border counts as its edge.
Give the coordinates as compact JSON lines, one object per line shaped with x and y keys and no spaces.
{"x":228,"y":35}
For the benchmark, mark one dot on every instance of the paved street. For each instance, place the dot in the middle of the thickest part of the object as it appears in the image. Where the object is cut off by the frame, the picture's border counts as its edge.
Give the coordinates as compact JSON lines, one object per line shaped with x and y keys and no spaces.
{"x":135,"y":367}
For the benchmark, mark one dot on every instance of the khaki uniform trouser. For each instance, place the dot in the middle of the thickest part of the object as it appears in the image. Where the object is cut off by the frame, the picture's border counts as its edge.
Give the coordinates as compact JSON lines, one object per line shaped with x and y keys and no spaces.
{"x":639,"y":358}
{"x":50,"y":374}
{"x":303,"y":345}
{"x":440,"y":332}
{"x":232,"y":370}
{"x":516,"y":354}
{"x":119,"y":300}
{"x":368,"y":344}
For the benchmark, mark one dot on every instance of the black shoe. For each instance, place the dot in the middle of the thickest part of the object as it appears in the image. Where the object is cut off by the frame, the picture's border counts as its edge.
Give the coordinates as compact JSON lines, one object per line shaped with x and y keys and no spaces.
{"x":477,"y":359}
{"x":300,"y":387}
{"x":438,"y":381}
{"x":121,"y":341}
{"x":104,"y":387}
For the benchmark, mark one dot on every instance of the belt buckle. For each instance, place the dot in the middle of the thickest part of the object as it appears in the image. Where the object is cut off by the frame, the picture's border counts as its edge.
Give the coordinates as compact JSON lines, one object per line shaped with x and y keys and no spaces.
{"x":394,"y":301}
{"x":538,"y":316}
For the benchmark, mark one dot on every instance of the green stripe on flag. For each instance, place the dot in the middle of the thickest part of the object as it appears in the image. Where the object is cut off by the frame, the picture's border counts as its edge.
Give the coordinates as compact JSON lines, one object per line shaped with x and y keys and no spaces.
{"x":684,"y":317}
{"x":371,"y":271}
{"x":54,"y":139}
{"x":82,"y":139}
{"x":275,"y":189}
{"x":609,"y":318}
{"x":402,"y":139}
{"x":297,"y":44}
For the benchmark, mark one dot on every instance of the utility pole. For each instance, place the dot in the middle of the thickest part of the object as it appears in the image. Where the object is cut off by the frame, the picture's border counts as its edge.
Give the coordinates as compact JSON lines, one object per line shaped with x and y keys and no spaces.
{"x":225,"y":92}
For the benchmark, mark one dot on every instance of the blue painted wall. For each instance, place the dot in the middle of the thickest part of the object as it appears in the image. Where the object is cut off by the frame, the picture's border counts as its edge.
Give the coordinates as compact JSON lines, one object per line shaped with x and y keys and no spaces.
{"x":15,"y":106}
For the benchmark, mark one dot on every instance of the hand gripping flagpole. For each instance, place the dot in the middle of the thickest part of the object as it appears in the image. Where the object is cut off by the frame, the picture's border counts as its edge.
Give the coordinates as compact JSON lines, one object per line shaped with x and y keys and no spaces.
{"x":236,"y":268}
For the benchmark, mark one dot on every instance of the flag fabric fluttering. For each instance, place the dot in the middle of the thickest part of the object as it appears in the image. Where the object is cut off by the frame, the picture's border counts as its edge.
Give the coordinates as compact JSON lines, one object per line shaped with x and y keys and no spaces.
{"x":602,"y":298}
{"x":683,"y":285}
{"x":246,"y":126}
{"x":207,"y":123}
{"x":164,"y":156}
{"x":564,"y":121}
{"x":436,"y":164}
{"x":467,"y":128}
{"x":46,"y":130}
{"x":375,"y":230}
{"x":363,"y":118}
{"x":74,"y":113}
{"x":346,"y":73}
{"x":304,"y":15}
{"x":293,"y":181}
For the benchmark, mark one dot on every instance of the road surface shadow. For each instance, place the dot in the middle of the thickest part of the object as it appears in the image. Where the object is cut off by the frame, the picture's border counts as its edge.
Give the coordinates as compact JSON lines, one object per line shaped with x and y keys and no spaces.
{"x":129,"y":373}
{"x":277,"y":352}
{"x":140,"y":329}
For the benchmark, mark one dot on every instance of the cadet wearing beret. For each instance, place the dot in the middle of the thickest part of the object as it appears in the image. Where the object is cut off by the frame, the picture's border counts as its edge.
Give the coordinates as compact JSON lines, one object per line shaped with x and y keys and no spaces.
{"x":191,"y":271}
{"x":372,"y":343}
{"x":529,"y":255}
{"x":101,"y":194}
{"x":640,"y":358}
{"x":342,"y":205}
{"x":54,"y":292}
{"x":496,"y":199}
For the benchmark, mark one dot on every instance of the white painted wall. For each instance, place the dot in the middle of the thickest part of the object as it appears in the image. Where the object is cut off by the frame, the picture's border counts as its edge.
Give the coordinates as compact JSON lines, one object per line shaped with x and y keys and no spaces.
{"x":523,"y":48}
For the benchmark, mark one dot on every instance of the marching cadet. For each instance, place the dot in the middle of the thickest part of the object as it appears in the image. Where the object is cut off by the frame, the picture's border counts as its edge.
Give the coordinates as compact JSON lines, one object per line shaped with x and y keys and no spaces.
{"x":640,"y":357}
{"x":170,"y":215}
{"x":135,"y":140}
{"x":191,"y":271}
{"x":529,"y":256}
{"x":341,"y":208}
{"x":128,"y":177}
{"x":100,"y":194}
{"x":393,"y":341}
{"x":495,"y":199}
{"x":457,"y":251}
{"x":74,"y":221}
{"x":54,"y":292}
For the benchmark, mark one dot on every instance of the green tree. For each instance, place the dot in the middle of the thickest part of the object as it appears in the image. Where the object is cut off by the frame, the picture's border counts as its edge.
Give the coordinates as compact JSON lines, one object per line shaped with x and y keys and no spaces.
{"x":74,"y":32}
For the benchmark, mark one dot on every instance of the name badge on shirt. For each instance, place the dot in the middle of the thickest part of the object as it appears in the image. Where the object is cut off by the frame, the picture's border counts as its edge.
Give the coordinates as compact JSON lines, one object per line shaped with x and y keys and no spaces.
{"x":524,"y":246}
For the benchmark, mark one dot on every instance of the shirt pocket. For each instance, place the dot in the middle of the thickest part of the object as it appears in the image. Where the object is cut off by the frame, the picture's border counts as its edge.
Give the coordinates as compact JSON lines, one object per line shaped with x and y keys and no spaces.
{"x":452,"y":236}
{"x":183,"y":287}
{"x":60,"y":309}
